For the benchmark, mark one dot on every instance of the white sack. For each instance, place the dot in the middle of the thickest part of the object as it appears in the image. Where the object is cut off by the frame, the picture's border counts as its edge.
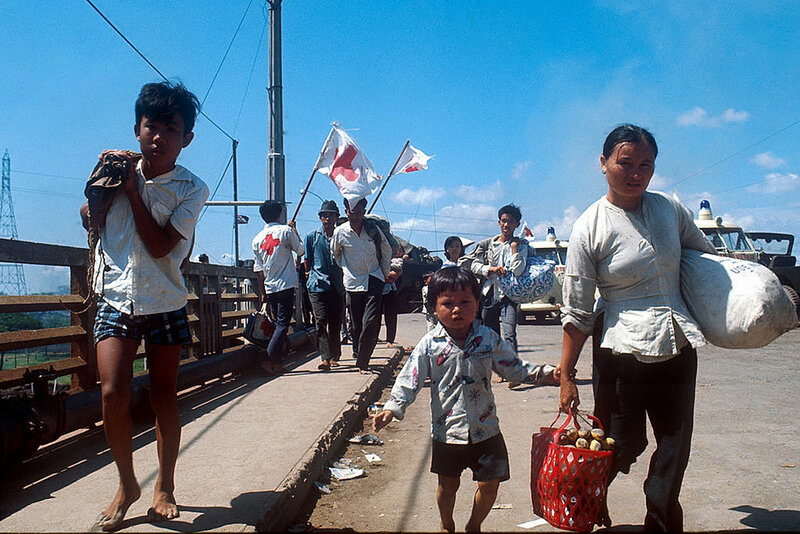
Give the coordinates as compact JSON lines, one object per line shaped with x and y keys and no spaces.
{"x":737,"y":304}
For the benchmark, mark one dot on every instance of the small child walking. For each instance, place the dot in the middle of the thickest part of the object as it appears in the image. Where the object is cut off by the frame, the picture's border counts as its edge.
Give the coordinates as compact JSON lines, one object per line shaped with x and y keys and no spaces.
{"x":459,"y":356}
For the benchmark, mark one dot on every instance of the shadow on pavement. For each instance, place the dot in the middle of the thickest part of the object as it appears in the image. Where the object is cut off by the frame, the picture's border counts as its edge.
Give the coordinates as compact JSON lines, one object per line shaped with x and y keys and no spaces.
{"x":774,"y":520}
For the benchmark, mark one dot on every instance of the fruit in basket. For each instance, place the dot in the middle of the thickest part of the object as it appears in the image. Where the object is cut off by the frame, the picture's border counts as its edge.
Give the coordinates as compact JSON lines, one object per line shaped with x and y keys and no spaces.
{"x":572,"y":434}
{"x":585,"y":434}
{"x":581,"y":443}
{"x":563,"y":439}
{"x":608,"y":444}
{"x":598,"y":434}
{"x":595,"y":445}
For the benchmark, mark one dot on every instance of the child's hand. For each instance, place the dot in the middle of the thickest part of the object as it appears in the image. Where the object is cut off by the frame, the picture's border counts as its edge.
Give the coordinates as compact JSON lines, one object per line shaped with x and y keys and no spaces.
{"x":381,"y":420}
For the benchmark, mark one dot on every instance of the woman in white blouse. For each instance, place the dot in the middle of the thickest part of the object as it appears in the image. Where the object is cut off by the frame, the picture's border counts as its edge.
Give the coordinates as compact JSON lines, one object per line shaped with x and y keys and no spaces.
{"x":627,"y":245}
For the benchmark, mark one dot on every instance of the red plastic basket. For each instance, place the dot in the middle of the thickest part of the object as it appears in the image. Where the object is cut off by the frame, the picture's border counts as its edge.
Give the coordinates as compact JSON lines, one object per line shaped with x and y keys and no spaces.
{"x":568,"y":485}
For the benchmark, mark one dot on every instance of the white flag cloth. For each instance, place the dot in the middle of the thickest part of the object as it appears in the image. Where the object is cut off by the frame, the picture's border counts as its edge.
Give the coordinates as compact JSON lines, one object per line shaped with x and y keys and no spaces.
{"x":344,"y":162}
{"x":525,"y":232}
{"x":411,"y":160}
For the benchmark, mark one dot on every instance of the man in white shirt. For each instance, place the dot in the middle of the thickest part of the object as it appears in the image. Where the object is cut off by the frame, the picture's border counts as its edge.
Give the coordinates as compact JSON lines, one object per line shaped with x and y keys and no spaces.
{"x":145,"y":236}
{"x":364,"y":254}
{"x":276,"y":269}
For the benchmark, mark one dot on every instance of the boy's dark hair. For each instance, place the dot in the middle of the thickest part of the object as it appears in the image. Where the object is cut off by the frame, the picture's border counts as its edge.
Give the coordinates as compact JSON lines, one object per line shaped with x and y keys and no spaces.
{"x":160,"y":101}
{"x":510,"y":209}
{"x":628,"y":133}
{"x":451,"y":279}
{"x":271,"y":210}
{"x":347,"y":204}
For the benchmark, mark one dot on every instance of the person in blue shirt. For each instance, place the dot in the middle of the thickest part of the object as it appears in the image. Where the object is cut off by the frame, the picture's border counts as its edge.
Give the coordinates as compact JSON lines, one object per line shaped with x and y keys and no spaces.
{"x":325,"y":288}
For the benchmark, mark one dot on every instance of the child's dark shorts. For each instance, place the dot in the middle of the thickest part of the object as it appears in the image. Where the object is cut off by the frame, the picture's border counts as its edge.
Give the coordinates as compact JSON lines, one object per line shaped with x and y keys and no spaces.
{"x":169,"y":328}
{"x":488,"y":459}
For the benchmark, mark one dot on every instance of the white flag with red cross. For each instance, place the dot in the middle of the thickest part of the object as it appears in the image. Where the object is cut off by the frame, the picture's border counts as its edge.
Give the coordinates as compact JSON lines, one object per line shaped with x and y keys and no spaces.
{"x":349,"y":168}
{"x":412,"y":159}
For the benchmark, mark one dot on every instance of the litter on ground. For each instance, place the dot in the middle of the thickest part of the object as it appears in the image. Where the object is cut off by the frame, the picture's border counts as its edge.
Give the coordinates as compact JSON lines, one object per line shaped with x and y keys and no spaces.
{"x":366,"y":439}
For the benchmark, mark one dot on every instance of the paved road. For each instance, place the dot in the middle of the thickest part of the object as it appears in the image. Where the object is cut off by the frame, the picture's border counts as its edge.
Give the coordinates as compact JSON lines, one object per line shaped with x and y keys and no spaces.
{"x":742,"y":473}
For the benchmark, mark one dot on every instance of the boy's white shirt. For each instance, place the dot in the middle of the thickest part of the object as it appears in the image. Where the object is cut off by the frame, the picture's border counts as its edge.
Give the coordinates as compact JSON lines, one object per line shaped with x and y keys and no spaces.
{"x":462,"y":403}
{"x":273,"y":256}
{"x":126,"y":275}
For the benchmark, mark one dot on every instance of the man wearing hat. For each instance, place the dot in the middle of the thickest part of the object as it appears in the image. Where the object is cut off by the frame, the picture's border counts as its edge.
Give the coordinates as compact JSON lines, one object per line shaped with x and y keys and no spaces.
{"x":325,"y":289}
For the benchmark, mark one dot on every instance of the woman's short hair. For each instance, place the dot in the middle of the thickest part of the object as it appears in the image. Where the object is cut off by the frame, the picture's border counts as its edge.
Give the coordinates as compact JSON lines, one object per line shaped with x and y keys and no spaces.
{"x":628,"y":133}
{"x":452,"y":279}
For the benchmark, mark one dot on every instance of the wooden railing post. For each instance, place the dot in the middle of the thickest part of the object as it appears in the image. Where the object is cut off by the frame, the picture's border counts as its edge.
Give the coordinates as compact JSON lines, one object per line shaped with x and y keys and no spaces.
{"x":85,"y":348}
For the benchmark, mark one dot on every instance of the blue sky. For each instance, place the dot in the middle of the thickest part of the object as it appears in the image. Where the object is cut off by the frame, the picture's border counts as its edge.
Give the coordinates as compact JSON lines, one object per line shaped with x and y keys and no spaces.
{"x":514,"y":99}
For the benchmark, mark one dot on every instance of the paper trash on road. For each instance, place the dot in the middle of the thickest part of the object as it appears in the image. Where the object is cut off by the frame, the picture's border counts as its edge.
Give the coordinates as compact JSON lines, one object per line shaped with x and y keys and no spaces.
{"x":531,"y":524}
{"x":371,"y":457}
{"x":342,"y":472}
{"x":366,"y":439}
{"x":508,"y":506}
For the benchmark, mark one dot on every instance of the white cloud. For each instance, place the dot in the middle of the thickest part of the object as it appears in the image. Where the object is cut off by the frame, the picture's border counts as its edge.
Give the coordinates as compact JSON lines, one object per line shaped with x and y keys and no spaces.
{"x":463,"y":219}
{"x":768,"y":160}
{"x":562,"y":225}
{"x":700,"y":117}
{"x":659,"y":182}
{"x":412,"y":224}
{"x":423,"y":196}
{"x":745,"y":221}
{"x":487,"y":193}
{"x":731,"y":115}
{"x":520,"y":168}
{"x":776,"y":182}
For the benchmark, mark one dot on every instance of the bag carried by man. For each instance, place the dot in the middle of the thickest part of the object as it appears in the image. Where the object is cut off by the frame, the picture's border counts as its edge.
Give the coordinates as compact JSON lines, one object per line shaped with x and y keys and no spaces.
{"x":737,"y":304}
{"x":535,"y":281}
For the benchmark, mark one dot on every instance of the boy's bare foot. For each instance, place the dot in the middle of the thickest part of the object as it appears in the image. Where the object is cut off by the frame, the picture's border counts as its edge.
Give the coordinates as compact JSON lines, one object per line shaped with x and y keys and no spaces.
{"x":112,"y":517}
{"x":512,"y":385}
{"x":164,"y":507}
{"x":498,"y":379}
{"x":449,"y":527}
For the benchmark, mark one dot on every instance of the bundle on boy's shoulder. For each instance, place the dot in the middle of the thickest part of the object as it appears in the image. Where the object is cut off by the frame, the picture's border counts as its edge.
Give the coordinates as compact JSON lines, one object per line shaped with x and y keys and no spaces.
{"x":107,"y":176}
{"x":737,"y":304}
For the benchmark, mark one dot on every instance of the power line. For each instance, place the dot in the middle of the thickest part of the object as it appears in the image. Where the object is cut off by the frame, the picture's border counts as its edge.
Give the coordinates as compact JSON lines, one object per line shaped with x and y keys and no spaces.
{"x":250,"y":78}
{"x":226,"y":52}
{"x":748,"y":147}
{"x":219,"y":182}
{"x":151,"y":64}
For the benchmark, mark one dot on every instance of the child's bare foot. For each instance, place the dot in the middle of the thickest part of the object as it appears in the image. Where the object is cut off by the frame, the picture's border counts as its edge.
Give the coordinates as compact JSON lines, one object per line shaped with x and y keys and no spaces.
{"x":450,"y":526}
{"x":112,"y":517}
{"x":164,"y":507}
{"x":498,"y":379}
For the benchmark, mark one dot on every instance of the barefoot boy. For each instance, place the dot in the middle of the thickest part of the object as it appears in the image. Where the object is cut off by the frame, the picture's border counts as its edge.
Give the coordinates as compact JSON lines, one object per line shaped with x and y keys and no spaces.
{"x":458,"y":356}
{"x":146,"y":235}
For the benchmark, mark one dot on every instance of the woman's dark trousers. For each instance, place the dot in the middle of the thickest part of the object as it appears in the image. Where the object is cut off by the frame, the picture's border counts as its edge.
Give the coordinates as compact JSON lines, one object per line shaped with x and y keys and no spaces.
{"x":627,"y":392}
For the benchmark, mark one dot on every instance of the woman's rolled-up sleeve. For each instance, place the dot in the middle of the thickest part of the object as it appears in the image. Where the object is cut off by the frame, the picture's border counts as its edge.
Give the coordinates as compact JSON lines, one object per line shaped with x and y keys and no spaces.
{"x":580,"y":281}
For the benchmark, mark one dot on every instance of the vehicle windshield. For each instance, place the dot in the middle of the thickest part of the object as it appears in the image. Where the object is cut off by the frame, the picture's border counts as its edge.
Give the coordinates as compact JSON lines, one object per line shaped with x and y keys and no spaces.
{"x":731,"y":239}
{"x":772,"y":245}
{"x":557,"y":255}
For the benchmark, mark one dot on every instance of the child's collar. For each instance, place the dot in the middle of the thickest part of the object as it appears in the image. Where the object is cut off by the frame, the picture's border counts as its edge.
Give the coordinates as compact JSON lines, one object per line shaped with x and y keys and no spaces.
{"x":440,"y":331}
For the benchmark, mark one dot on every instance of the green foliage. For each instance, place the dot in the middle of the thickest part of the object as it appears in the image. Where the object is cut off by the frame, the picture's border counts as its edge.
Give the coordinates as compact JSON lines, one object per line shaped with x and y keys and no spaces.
{"x":11,"y":322}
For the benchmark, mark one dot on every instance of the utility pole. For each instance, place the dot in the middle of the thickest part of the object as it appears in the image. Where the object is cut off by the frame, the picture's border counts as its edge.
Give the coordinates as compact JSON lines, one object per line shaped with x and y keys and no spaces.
{"x":276,"y":163}
{"x":12,"y":276}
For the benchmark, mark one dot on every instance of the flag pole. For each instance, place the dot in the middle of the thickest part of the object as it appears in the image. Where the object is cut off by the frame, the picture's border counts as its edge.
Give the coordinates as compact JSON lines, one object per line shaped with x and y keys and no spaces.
{"x":313,"y":172}
{"x":386,"y":181}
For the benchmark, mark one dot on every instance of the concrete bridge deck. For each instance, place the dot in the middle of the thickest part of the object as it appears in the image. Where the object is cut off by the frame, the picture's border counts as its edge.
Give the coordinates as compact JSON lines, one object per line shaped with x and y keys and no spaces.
{"x":251,"y":446}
